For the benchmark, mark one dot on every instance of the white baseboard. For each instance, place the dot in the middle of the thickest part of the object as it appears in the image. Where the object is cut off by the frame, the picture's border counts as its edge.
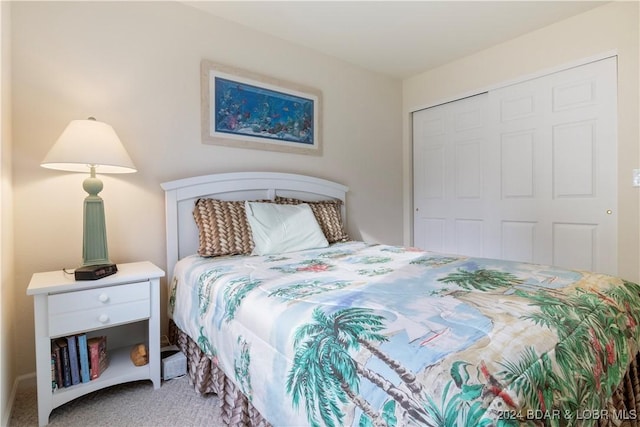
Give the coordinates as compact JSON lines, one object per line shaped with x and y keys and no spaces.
{"x":26,"y":380}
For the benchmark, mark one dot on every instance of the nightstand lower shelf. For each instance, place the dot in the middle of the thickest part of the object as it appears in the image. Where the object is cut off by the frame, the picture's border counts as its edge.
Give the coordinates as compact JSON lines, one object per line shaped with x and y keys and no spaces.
{"x":121,"y":370}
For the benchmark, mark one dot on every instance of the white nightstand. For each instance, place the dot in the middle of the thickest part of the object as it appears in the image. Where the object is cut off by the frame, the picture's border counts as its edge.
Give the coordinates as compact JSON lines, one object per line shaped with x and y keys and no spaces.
{"x":125,"y":307}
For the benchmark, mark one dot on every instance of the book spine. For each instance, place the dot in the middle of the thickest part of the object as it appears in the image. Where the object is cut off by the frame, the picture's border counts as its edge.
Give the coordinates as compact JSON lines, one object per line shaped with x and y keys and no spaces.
{"x":66,"y":364}
{"x":73,"y":359}
{"x":58,"y":358}
{"x":54,"y":383}
{"x":85,"y":376}
{"x":94,"y":359}
{"x":104,"y":358}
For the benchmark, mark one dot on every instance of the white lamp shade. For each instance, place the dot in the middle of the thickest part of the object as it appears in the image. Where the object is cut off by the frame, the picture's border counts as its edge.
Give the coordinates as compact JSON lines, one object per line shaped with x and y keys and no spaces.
{"x":86,"y":143}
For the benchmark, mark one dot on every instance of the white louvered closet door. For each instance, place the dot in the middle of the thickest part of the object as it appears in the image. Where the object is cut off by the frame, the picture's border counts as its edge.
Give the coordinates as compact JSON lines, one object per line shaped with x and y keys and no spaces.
{"x":527,"y":172}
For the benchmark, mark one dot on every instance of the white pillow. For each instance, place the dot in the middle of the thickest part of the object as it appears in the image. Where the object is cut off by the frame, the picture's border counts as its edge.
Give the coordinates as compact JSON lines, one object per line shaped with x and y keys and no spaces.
{"x":283,"y":228}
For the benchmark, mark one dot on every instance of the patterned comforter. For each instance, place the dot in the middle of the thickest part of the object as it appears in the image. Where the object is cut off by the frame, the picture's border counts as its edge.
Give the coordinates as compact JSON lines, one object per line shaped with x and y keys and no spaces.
{"x":360,"y":334}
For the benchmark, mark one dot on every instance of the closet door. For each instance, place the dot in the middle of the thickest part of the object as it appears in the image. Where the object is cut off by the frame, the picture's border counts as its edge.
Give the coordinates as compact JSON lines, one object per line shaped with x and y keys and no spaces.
{"x":547,"y":174}
{"x":449,"y":142}
{"x":557,"y":147}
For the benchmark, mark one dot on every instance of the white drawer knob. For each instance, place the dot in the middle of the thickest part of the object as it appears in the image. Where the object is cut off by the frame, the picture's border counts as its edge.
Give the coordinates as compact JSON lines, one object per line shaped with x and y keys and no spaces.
{"x":103,"y":318}
{"x":103,"y":298}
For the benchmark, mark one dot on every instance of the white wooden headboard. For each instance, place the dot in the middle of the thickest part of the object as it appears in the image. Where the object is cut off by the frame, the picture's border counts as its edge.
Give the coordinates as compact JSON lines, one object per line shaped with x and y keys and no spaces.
{"x":181,"y":195}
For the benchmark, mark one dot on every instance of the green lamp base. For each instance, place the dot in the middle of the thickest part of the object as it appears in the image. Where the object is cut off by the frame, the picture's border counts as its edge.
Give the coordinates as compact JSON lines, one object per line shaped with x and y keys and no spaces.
{"x":94,"y":244}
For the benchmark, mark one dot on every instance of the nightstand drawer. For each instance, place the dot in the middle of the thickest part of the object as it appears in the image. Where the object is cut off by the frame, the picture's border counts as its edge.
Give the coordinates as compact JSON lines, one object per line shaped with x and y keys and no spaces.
{"x":98,"y":308}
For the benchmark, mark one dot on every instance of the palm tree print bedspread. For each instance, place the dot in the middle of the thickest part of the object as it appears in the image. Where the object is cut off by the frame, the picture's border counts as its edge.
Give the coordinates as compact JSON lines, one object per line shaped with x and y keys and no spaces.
{"x":373,"y":335}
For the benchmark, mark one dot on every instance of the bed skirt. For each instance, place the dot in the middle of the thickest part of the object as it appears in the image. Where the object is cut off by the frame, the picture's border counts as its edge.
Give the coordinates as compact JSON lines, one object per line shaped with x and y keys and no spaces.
{"x":206,"y":378}
{"x":623,"y":409}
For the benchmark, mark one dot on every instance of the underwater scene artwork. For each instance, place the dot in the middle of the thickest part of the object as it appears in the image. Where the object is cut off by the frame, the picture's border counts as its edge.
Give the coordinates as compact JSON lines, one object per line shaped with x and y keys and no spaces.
{"x":244,"y":109}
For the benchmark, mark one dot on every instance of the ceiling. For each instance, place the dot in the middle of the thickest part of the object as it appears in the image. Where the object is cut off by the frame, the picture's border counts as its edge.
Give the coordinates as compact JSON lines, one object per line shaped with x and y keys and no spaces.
{"x":397,"y":38}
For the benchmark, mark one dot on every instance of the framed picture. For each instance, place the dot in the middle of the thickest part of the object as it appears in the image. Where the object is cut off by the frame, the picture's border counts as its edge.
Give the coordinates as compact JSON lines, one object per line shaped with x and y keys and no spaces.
{"x":249,"y":110}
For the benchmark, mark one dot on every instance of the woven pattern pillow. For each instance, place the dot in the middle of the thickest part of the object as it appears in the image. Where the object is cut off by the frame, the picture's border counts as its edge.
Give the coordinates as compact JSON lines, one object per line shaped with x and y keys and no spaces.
{"x":223,"y":228}
{"x":328,"y":213}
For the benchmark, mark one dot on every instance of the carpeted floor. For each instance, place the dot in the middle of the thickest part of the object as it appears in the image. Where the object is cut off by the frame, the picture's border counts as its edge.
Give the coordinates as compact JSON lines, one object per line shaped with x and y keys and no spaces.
{"x":131,"y":404}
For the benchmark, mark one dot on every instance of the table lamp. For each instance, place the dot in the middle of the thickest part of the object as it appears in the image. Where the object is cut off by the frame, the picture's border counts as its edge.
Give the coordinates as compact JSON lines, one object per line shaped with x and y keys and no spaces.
{"x":90,"y":146}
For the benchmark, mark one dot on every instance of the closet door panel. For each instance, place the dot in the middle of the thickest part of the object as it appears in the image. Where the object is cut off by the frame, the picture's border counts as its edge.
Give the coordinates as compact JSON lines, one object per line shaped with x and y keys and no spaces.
{"x":448,"y":176}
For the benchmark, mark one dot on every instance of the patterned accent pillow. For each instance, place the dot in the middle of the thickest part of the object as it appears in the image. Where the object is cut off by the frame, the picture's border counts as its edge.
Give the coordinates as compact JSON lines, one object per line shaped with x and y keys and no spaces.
{"x":328,"y":213}
{"x":223,"y":228}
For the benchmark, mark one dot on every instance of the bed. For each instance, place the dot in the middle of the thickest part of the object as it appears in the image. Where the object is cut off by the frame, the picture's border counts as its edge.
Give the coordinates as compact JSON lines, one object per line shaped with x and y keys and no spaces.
{"x":363,"y":334}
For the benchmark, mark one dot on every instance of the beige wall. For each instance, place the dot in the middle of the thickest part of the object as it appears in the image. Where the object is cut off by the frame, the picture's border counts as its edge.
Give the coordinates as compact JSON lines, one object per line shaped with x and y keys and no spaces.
{"x":135,"y":65}
{"x":7,"y":291}
{"x":612,"y":27}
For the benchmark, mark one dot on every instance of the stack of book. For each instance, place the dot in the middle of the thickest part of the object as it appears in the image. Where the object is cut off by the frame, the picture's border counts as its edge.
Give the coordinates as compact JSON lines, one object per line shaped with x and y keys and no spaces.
{"x":77,"y":359}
